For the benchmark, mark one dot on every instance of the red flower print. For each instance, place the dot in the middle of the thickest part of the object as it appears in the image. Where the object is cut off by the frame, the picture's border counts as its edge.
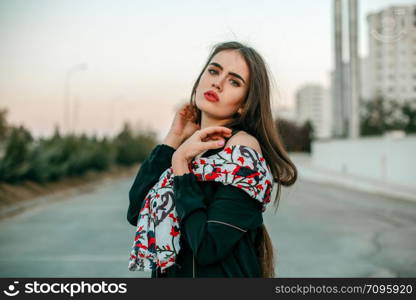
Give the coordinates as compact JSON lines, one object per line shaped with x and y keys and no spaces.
{"x":173,"y":217}
{"x":253,"y":175}
{"x":260,"y":187}
{"x":218,"y":170}
{"x":268,"y":181}
{"x":267,"y":199}
{"x":173,"y":231}
{"x":211,"y":176}
{"x":261,"y":159}
{"x":165,"y":180}
{"x":152,"y":240}
{"x":228,"y":150}
{"x":202,"y":161}
{"x":241,"y":159}
{"x":237,"y":168}
{"x":250,"y":181}
{"x":157,"y":195}
{"x":268,"y":190}
{"x":239,"y":186}
{"x":168,"y":247}
{"x":163,"y":264}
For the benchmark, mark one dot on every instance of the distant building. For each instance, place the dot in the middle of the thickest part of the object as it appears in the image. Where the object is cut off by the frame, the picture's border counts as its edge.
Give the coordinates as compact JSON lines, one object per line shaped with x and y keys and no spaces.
{"x":366,"y":83}
{"x":392,"y":53}
{"x":286,"y":112}
{"x":312,"y":103}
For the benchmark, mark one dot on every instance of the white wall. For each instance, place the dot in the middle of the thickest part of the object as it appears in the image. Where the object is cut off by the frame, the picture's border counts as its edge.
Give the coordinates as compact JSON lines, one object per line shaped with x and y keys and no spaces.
{"x":392,"y":160}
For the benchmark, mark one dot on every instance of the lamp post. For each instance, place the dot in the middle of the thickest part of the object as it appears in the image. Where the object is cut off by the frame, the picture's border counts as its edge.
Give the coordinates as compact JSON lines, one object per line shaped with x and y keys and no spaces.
{"x":67,"y":94}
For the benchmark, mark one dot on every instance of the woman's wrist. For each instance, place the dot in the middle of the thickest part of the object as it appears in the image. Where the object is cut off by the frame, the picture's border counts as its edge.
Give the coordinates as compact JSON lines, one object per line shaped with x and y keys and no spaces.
{"x":172,"y":140}
{"x":179,"y":165}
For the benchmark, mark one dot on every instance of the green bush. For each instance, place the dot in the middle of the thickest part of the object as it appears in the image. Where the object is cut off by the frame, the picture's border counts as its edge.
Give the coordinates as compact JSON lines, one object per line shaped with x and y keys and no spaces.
{"x":14,"y":165}
{"x":133,"y":148}
{"x":50,"y":159}
{"x":380,"y":115}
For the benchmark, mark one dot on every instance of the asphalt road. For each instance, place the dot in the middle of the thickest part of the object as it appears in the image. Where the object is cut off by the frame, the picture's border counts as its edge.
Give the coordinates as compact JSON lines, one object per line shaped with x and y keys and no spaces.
{"x":318,"y":231}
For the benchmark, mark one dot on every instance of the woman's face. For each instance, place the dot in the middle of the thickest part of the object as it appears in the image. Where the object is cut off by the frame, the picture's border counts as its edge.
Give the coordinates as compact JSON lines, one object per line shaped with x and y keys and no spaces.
{"x":228,"y":75}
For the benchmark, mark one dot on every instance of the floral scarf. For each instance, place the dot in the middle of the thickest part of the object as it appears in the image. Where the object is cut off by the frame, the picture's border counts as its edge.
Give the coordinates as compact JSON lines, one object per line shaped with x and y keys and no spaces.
{"x":156,"y":242}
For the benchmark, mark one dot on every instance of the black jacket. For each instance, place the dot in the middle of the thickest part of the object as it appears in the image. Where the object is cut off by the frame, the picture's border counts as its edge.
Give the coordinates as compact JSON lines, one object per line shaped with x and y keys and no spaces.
{"x":220,"y":224}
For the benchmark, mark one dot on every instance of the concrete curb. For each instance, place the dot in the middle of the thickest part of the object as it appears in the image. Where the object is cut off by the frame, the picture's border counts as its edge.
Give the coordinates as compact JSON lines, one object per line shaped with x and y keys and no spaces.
{"x":309,"y":172}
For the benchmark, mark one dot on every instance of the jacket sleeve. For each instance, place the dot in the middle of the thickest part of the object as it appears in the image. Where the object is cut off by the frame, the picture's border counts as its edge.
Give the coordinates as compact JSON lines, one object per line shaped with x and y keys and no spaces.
{"x":150,"y":170}
{"x":213,"y":231}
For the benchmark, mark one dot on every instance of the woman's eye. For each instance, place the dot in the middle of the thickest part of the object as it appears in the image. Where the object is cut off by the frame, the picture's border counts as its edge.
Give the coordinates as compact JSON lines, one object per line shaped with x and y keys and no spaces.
{"x":235,"y":83}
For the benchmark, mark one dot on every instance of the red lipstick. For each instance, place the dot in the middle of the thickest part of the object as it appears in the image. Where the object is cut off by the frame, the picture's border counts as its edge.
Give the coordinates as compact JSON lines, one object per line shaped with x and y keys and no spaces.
{"x":211,"y":96}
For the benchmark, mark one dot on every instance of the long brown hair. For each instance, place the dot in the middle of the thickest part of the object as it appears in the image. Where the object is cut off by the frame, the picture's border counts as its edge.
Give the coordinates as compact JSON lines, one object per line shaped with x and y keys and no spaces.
{"x":256,"y":119}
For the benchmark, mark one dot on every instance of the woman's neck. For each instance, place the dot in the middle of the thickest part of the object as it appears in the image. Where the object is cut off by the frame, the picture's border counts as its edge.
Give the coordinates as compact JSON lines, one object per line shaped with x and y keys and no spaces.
{"x":206,"y":121}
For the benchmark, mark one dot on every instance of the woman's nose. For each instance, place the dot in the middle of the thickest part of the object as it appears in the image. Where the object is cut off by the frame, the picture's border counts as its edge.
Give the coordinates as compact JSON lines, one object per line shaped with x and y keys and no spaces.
{"x":216,"y":85}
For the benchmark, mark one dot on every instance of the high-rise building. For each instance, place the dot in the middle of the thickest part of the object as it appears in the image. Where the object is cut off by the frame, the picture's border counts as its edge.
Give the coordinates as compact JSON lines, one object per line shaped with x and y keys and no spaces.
{"x":338,"y":94}
{"x":392,"y":53}
{"x":365,"y":84}
{"x":312,"y":103}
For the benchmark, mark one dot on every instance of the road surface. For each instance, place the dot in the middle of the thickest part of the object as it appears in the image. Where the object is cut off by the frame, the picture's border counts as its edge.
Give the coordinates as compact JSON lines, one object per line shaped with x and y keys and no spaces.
{"x":318,"y":231}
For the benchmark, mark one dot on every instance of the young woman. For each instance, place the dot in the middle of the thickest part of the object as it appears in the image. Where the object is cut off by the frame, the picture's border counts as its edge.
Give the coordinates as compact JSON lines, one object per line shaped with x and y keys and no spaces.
{"x":220,"y":223}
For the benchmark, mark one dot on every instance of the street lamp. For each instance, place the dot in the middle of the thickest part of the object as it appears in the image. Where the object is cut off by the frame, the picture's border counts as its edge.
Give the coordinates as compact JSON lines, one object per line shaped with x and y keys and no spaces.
{"x":67,"y":99}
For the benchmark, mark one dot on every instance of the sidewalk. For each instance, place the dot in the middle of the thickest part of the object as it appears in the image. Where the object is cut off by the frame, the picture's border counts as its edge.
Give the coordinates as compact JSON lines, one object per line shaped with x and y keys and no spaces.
{"x":310,"y":172}
{"x":15,"y":199}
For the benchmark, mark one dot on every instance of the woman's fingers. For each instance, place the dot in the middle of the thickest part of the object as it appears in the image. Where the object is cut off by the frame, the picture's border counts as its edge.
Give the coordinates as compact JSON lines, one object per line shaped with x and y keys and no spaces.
{"x":214,"y":130}
{"x":193,"y":112}
{"x":187,"y":112}
{"x":212,"y":137}
{"x":213,"y":144}
{"x":183,"y":110}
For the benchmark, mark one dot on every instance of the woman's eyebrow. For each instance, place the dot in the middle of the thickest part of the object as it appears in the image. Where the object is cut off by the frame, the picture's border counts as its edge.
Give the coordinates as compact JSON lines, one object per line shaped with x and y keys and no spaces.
{"x":231,"y":73}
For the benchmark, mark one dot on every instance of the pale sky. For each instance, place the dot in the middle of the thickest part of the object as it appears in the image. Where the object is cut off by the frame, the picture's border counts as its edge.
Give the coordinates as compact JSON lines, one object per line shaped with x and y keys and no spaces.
{"x":142,"y":57}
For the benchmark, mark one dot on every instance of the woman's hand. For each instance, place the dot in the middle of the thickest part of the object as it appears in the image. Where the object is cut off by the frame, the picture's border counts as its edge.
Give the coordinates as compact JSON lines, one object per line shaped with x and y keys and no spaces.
{"x":183,"y":126}
{"x":208,"y":138}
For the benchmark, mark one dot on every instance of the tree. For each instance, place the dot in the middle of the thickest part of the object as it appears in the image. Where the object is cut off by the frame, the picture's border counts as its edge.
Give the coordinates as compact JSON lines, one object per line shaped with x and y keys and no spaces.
{"x":4,"y":128}
{"x":409,"y":112}
{"x":131,"y":147}
{"x":380,"y":115}
{"x":294,"y":137}
{"x":14,"y":165}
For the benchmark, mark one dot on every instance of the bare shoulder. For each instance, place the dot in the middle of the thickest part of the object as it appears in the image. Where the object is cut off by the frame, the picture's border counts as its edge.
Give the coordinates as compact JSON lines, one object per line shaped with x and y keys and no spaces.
{"x":245,"y":139}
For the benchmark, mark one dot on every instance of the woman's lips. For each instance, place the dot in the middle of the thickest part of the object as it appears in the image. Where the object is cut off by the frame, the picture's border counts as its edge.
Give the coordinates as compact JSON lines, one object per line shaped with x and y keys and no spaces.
{"x":210,"y":97}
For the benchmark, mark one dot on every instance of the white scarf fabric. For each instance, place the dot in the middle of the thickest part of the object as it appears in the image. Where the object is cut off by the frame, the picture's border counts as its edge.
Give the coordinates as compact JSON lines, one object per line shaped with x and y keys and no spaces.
{"x":156,"y":242}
